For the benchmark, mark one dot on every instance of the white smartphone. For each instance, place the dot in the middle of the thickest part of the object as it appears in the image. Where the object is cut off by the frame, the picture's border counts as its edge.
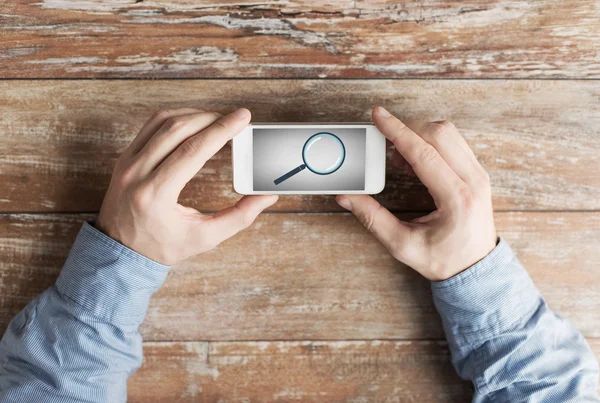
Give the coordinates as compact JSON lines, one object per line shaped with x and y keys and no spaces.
{"x":295,"y":158}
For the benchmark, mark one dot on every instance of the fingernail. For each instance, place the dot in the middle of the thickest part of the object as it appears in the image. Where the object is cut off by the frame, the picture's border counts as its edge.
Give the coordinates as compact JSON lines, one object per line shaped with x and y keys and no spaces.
{"x":242,"y":113}
{"x":345,"y":203}
{"x":382,"y":112}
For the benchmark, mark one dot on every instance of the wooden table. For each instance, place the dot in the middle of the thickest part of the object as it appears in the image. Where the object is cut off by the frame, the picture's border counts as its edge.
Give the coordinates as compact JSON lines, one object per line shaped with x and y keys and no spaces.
{"x":305,"y":305}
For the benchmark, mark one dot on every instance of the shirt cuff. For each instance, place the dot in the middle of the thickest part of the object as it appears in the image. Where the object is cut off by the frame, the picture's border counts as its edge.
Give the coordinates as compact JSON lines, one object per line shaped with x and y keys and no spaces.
{"x":109,"y":280}
{"x":492,"y":296}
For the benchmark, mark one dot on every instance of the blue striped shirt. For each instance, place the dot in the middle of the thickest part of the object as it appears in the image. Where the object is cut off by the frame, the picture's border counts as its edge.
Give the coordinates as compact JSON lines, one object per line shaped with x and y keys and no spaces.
{"x":78,"y":341}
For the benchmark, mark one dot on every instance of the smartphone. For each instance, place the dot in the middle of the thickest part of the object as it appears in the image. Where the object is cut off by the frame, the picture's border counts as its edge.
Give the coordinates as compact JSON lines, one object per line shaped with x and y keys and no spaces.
{"x":295,"y":158}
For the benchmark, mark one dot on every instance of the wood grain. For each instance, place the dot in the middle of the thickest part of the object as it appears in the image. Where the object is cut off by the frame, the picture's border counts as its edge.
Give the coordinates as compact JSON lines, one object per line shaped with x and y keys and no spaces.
{"x":309,"y":276}
{"x":538,"y":139}
{"x":317,"y":371}
{"x":300,"y":39}
{"x":336,"y":317}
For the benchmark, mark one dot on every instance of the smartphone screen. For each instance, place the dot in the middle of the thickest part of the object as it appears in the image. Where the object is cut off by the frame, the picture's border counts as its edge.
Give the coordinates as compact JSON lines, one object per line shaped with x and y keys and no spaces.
{"x":305,"y":159}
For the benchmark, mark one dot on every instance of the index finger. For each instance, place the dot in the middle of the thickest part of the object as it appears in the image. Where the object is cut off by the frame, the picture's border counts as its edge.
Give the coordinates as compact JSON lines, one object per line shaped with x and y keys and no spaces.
{"x":153,"y":124}
{"x":185,"y":162}
{"x":441,"y":181}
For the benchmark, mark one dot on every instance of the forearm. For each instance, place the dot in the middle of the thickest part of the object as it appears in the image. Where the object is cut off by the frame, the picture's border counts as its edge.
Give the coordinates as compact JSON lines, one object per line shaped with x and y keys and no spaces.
{"x":506,"y":340}
{"x":78,"y":341}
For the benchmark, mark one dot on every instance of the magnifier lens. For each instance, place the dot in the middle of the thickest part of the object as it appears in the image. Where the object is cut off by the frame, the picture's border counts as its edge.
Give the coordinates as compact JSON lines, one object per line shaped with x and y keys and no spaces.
{"x":323,"y":153}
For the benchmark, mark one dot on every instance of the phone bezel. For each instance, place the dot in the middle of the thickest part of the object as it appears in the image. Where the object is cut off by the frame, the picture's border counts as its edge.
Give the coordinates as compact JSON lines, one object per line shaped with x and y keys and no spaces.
{"x":375,"y":158}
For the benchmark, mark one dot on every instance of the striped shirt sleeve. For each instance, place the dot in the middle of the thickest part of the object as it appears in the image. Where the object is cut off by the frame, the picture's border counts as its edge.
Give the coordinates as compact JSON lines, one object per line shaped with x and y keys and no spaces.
{"x":505,"y":339}
{"x":78,"y":341}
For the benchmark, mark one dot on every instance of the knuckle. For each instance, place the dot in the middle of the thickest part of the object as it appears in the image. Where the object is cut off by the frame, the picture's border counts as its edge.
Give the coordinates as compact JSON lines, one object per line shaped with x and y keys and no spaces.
{"x":427,"y":154}
{"x":448,"y":125}
{"x":141,"y":198}
{"x":220,"y":123}
{"x":369,"y":216}
{"x":484,"y":178}
{"x":125,"y":173}
{"x":192,"y":147}
{"x":246,"y":218}
{"x":161,"y":114}
{"x":485,"y":190}
{"x":175,"y":123}
{"x":120,"y":163}
{"x":465,"y":198}
{"x":126,"y":176}
{"x":398,"y":126}
{"x":441,"y":129}
{"x":482,"y":181}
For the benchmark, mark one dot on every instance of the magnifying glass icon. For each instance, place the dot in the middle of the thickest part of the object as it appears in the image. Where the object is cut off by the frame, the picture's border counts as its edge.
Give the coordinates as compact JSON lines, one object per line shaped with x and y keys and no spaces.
{"x":323,"y":153}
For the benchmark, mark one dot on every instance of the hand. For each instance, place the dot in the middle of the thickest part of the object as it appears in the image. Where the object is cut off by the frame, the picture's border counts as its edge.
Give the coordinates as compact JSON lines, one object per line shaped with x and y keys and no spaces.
{"x":461,"y":231}
{"x":140,"y":208}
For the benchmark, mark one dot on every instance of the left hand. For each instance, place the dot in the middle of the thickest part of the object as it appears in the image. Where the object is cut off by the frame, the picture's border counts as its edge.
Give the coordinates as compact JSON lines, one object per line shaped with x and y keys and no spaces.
{"x":140,"y":208}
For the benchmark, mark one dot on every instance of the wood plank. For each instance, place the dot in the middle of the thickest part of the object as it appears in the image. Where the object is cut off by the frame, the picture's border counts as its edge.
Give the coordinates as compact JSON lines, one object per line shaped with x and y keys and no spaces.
{"x":310,"y":276}
{"x":300,"y":39}
{"x":340,"y":371}
{"x":538,"y":139}
{"x":335,"y":371}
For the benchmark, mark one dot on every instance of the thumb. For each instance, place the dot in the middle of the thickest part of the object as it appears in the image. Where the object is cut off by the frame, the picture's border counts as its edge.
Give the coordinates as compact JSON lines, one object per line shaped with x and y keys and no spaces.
{"x":388,"y":229}
{"x":228,"y":222}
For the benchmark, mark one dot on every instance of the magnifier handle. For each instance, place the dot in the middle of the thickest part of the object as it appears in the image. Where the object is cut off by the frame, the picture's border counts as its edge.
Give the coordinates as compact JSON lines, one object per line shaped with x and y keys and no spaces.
{"x":289,"y":174}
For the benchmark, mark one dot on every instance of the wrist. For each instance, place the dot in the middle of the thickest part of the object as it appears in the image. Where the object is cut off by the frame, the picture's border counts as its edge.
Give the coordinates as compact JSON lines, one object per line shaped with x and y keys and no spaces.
{"x":496,"y":291}
{"x":109,"y":280}
{"x":470,"y":251}
{"x":476,"y":257}
{"x":154,"y":253}
{"x":105,"y":229}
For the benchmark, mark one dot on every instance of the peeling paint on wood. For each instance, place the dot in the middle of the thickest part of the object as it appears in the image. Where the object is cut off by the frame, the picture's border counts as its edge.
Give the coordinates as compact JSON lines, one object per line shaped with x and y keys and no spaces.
{"x":538,"y":139}
{"x":309,"y":276}
{"x":305,"y":371}
{"x":372,"y":371}
{"x":302,"y":39}
{"x":314,"y":282}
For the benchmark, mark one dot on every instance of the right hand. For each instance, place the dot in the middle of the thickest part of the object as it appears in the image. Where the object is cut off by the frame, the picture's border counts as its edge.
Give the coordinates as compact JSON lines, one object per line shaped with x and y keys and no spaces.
{"x":461,"y":231}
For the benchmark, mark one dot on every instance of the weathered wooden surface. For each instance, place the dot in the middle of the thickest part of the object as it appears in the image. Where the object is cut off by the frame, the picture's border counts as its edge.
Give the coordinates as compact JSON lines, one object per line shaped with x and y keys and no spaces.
{"x":310,"y":276}
{"x":271,"y":314}
{"x":342,"y":38}
{"x":358,"y":371}
{"x":339,"y":371}
{"x":540,"y":140}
